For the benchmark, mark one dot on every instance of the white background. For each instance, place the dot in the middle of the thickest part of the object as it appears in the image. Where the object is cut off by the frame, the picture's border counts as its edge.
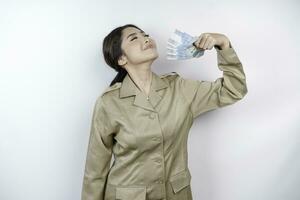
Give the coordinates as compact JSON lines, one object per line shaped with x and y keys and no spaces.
{"x":52,"y":70}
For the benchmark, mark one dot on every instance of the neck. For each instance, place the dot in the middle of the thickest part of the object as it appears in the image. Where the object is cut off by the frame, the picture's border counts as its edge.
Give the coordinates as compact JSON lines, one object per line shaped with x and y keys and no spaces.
{"x":141,"y":76}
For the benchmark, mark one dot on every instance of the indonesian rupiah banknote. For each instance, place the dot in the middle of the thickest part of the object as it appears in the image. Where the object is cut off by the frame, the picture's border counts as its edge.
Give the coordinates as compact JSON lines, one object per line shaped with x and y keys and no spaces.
{"x":180,"y":46}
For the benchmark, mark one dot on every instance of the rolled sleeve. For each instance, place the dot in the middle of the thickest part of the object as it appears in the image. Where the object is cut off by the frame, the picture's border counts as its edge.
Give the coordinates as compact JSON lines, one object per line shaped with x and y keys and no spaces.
{"x":204,"y":96}
{"x":99,"y":154}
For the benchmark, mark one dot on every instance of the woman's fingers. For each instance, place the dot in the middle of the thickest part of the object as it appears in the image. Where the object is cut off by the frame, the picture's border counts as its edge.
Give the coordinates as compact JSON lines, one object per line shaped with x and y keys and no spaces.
{"x":202,"y":41}
{"x":209,"y":40}
{"x":198,"y":41}
{"x":211,"y":44}
{"x":205,"y":41}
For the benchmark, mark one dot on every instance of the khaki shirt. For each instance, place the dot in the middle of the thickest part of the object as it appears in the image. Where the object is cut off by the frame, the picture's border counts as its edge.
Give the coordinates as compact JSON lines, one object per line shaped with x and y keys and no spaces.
{"x":148,"y":137}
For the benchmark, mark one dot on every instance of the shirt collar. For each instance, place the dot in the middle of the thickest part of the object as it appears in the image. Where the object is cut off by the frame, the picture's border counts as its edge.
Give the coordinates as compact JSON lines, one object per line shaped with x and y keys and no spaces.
{"x":128,"y":88}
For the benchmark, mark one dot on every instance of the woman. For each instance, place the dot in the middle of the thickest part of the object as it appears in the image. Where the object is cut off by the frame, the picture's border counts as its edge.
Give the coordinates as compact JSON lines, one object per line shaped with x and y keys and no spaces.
{"x":143,"y":119}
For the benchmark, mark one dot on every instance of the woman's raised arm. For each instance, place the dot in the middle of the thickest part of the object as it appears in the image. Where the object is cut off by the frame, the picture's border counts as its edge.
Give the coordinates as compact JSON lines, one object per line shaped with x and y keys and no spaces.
{"x":205,"y":95}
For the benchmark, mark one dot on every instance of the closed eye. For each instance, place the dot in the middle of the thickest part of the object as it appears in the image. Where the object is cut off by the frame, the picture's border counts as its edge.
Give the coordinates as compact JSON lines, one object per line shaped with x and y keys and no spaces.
{"x":147,"y":35}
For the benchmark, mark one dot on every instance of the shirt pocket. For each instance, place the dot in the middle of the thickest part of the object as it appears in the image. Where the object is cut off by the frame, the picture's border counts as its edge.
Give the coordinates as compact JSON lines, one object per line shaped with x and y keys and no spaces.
{"x":131,"y":193}
{"x":180,"y":180}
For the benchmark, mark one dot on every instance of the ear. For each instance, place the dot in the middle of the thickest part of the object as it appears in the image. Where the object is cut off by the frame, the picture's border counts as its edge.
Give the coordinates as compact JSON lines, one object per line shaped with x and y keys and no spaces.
{"x":122,"y":60}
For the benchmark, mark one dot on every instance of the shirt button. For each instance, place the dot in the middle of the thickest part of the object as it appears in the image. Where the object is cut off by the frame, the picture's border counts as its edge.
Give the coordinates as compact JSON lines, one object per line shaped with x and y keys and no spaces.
{"x":152,"y":115}
{"x":157,"y":160}
{"x":159,"y":181}
{"x":156,"y":139}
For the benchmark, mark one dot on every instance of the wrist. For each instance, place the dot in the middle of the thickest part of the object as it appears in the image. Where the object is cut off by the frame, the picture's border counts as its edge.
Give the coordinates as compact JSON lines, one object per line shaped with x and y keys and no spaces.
{"x":225,"y":44}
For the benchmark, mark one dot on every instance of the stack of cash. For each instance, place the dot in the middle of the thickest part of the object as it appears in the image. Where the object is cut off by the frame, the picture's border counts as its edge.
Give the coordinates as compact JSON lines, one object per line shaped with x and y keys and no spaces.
{"x":180,"y":46}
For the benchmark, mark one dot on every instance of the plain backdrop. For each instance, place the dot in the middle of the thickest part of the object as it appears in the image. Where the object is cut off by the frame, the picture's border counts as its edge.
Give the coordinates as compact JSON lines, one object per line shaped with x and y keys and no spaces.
{"x":52,"y":70}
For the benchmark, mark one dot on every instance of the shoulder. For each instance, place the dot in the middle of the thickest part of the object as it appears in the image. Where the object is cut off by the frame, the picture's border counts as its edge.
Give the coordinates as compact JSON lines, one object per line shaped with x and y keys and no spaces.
{"x":170,"y":76}
{"x":112,"y":88}
{"x":181,"y":82}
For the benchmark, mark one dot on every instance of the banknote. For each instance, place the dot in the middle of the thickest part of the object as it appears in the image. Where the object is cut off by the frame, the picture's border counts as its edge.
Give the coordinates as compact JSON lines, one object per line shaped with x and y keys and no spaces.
{"x":180,"y":46}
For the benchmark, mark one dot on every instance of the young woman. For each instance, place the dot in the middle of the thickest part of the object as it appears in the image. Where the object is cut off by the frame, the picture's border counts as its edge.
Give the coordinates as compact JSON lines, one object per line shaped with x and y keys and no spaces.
{"x":143,"y":119}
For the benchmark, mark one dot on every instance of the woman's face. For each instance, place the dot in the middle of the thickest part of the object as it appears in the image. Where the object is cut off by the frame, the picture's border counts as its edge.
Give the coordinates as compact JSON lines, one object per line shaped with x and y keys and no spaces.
{"x":138,"y":47}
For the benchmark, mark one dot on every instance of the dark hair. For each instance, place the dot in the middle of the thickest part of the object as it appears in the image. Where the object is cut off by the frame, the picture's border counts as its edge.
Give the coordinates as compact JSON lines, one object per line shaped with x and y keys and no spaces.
{"x":112,"y":51}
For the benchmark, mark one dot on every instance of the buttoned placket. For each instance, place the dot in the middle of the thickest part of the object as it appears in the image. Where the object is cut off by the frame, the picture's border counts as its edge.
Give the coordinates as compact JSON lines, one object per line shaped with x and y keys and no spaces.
{"x":154,"y":115}
{"x":150,"y":103}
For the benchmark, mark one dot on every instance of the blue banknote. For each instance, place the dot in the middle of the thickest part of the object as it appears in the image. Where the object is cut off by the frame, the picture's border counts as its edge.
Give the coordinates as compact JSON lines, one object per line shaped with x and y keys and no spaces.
{"x":180,"y":46}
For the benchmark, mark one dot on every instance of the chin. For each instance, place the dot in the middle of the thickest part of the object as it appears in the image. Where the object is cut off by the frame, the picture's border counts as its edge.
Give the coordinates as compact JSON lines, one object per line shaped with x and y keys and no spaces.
{"x":146,"y":58}
{"x":155,"y":55}
{"x":151,"y":56}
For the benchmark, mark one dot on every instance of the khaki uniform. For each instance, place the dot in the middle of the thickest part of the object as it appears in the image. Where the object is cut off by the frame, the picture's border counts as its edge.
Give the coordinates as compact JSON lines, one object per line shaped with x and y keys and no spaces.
{"x":148,"y":137}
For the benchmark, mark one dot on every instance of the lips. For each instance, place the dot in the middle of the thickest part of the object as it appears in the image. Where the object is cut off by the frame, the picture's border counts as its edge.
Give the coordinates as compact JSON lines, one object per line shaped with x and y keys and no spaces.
{"x":148,"y":46}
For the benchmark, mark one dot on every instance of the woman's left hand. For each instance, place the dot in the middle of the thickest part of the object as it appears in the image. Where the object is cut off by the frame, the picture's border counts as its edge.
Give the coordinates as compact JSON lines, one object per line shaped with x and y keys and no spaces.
{"x":209,"y":40}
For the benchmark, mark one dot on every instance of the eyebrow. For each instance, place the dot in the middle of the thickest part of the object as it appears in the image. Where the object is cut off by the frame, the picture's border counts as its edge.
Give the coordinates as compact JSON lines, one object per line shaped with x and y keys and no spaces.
{"x":134,"y":34}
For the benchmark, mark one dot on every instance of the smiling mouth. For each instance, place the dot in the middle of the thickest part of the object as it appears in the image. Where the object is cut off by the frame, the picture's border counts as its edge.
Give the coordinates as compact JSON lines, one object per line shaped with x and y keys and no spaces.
{"x":150,"y":46}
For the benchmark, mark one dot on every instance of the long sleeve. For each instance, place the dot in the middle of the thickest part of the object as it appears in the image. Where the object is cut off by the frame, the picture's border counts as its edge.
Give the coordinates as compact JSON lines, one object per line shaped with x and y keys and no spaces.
{"x":205,"y":95}
{"x":98,"y":155}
